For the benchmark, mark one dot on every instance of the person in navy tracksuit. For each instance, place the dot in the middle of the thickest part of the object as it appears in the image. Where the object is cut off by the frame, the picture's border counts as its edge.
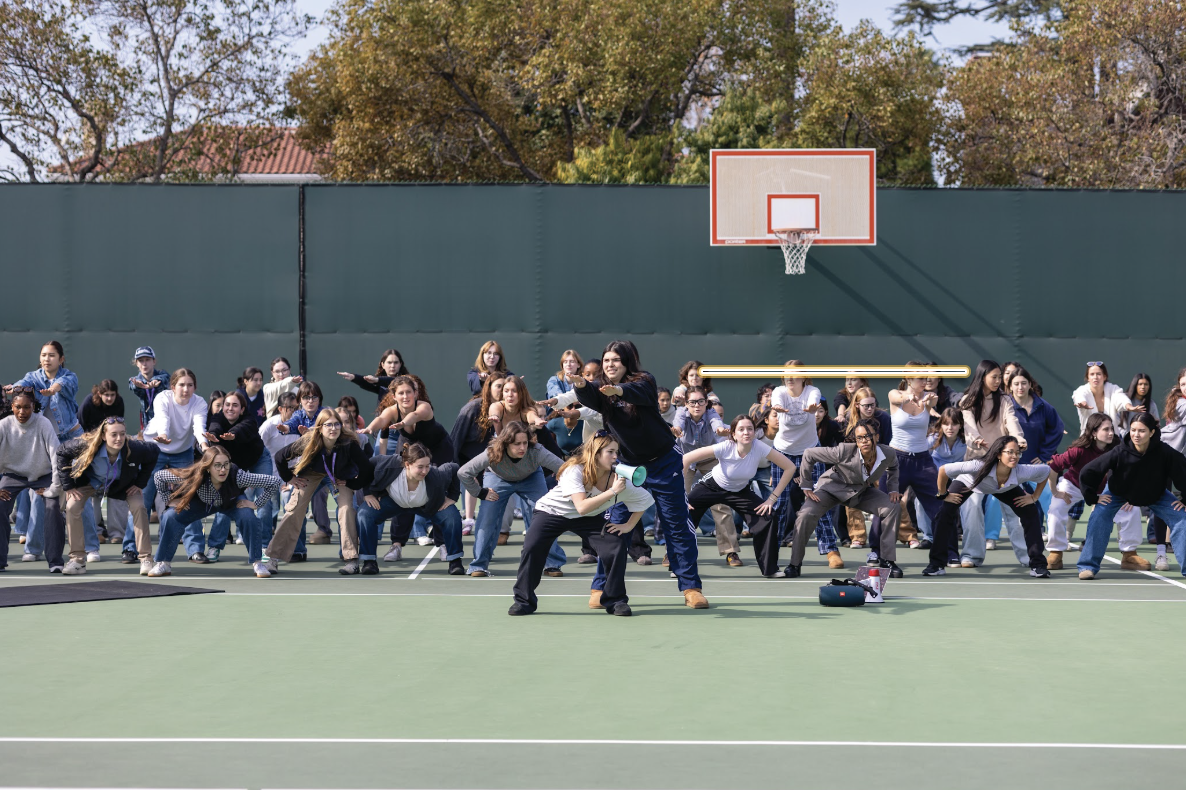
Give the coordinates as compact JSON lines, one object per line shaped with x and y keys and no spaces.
{"x":628,"y":400}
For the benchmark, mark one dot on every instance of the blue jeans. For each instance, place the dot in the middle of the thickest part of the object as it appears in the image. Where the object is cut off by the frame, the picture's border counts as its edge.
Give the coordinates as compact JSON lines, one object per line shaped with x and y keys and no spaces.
{"x":174,"y":522}
{"x":665,"y":482}
{"x":1099,"y":529}
{"x":792,"y":499}
{"x":447,"y":521}
{"x":530,"y":490}
{"x":220,"y":530}
{"x":163,"y":461}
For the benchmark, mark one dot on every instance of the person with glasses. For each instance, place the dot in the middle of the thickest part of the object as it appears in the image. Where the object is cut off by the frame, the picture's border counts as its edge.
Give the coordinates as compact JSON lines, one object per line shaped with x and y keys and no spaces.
{"x":28,"y":443}
{"x":697,"y":426}
{"x":213,"y":485}
{"x":326,"y":454}
{"x":728,"y":483}
{"x":105,"y":462}
{"x":856,"y":468}
{"x":628,"y":400}
{"x":312,"y":404}
{"x":282,"y":381}
{"x":1097,"y":395}
{"x":998,"y":475}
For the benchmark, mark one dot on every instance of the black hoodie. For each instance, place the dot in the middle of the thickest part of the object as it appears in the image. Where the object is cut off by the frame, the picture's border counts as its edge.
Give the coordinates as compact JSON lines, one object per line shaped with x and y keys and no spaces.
{"x":1137,"y":479}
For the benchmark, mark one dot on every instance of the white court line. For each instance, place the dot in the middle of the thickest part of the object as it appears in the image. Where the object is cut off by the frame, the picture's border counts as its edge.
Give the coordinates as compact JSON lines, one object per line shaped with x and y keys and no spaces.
{"x":423,"y":564}
{"x":680,"y":597}
{"x":1150,"y":574}
{"x":613,"y":742}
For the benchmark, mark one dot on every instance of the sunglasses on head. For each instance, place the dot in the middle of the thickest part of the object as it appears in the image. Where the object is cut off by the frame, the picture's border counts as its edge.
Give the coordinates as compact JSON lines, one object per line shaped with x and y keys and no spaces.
{"x":24,"y":389}
{"x":1095,"y":364}
{"x":601,"y":434}
{"x":113,"y":420}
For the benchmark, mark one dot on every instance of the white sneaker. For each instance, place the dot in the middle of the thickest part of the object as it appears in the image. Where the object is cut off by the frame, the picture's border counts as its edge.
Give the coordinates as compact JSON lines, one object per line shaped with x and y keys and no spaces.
{"x":93,"y":556}
{"x":1162,"y":563}
{"x":74,"y":568}
{"x":990,"y":545}
{"x":238,"y":540}
{"x":272,"y":564}
{"x":161,"y":569}
{"x":395,"y":555}
{"x":261,"y":570}
{"x":443,"y":553}
{"x":27,"y":557}
{"x":424,"y":540}
{"x":518,"y":514}
{"x":467,"y":526}
{"x":212,"y":554}
{"x":146,"y":566}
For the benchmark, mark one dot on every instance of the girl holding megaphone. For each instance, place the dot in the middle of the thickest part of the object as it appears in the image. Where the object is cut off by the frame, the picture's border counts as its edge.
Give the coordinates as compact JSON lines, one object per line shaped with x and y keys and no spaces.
{"x":586,"y":487}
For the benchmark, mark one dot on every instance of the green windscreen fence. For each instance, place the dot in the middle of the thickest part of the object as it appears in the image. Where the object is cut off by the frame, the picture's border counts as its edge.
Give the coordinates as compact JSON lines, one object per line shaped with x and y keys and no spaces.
{"x":210,"y":276}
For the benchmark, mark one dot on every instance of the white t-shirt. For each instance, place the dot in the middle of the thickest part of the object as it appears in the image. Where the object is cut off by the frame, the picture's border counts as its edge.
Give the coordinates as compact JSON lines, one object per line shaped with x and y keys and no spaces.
{"x":558,"y":501}
{"x":796,"y":428}
{"x":734,"y":473}
{"x":400,"y":495}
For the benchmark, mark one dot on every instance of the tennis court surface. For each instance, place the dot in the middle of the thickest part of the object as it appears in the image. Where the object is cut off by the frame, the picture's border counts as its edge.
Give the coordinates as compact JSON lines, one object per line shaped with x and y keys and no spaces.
{"x":415,"y":679}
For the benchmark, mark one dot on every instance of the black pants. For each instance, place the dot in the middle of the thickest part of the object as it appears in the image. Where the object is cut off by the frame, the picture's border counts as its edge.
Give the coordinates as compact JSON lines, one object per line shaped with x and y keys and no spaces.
{"x":707,"y":492}
{"x":1030,"y":516}
{"x":612,"y":550}
{"x":638,"y":545}
{"x":54,"y":529}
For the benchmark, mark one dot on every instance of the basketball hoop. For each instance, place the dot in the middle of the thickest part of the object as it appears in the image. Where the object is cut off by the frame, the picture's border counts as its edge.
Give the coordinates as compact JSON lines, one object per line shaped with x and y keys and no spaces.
{"x":795,"y":243}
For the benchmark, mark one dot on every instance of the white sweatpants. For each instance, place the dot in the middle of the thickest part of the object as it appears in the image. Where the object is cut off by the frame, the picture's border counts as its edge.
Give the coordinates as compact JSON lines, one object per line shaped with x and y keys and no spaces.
{"x":1129,"y":520}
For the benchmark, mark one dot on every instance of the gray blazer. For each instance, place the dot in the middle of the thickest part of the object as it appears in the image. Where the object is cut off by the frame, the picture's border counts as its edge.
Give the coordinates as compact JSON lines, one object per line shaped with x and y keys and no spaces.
{"x":845,"y":480}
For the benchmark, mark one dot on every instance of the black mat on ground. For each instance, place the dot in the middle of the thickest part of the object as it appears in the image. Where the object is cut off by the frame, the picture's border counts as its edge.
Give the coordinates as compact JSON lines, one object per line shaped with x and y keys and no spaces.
{"x":75,"y":592}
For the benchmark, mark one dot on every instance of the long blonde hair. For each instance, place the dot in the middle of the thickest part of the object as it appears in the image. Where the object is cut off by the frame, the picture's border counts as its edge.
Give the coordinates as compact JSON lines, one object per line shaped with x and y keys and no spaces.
{"x":586,"y":456}
{"x":568,"y":352}
{"x":312,"y":444}
{"x":95,"y":440}
{"x":854,"y":409}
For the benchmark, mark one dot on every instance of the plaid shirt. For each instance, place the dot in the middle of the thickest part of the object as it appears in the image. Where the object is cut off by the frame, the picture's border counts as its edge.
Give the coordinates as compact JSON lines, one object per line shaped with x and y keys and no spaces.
{"x":268,"y":485}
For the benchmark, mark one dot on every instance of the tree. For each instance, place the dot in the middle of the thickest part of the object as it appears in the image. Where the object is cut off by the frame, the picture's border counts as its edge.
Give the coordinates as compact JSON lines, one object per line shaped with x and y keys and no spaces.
{"x":198,"y":82}
{"x":63,"y":100}
{"x":741,"y":120}
{"x":1095,"y":99}
{"x":620,"y":161}
{"x":497,"y":89}
{"x":924,"y":15}
{"x":866,"y":89}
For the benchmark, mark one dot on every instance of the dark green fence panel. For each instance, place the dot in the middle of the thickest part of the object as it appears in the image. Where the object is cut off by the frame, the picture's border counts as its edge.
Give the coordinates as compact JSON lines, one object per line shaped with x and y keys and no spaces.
{"x":209,"y":276}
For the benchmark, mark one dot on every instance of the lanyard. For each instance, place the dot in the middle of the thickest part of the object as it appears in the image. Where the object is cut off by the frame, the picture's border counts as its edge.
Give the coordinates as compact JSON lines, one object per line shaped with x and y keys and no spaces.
{"x":329,"y":468}
{"x":107,"y":481}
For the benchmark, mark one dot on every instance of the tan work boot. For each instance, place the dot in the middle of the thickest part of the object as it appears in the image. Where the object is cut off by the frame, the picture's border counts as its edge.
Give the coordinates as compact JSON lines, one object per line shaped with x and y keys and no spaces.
{"x":835,"y":560}
{"x":695,"y":599}
{"x":595,"y":599}
{"x":1054,"y":561}
{"x":1086,"y":576}
{"x":1131,"y":561}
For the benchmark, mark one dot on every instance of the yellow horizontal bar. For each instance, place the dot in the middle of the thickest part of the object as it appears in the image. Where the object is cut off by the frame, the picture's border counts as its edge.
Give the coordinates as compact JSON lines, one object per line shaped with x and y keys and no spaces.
{"x":833,"y":371}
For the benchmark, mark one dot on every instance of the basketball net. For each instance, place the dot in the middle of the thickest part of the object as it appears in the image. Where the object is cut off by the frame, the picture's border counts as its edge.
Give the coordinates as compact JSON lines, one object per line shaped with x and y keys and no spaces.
{"x":795,"y":243}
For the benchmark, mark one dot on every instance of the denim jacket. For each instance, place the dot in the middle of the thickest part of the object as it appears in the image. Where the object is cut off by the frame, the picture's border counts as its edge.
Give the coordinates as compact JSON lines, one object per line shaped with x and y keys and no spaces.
{"x":146,"y":396}
{"x":60,"y":408}
{"x":302,"y":417}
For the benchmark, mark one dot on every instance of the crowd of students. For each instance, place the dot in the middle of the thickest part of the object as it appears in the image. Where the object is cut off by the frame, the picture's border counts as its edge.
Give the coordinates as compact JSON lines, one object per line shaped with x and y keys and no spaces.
{"x":265,"y":457}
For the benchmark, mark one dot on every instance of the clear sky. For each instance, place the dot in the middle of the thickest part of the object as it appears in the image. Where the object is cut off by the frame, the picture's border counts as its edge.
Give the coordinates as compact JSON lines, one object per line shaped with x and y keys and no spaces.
{"x":849,"y":12}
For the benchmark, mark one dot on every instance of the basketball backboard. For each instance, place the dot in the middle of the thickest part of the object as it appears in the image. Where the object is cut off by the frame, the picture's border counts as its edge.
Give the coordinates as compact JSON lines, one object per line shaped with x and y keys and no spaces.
{"x":756,"y":192}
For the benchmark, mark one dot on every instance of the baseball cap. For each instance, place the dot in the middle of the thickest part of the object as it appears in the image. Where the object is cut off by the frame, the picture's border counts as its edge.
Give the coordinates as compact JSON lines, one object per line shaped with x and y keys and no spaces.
{"x":144,"y":351}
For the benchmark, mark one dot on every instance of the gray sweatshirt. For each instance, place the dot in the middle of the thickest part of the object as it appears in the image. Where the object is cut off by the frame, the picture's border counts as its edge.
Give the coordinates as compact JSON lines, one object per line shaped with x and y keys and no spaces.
{"x":1174,"y":432}
{"x":27,"y":450}
{"x":508,"y":468}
